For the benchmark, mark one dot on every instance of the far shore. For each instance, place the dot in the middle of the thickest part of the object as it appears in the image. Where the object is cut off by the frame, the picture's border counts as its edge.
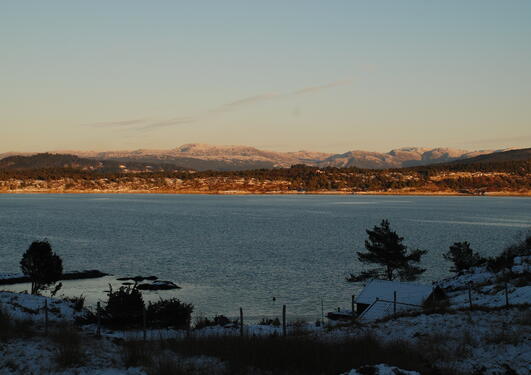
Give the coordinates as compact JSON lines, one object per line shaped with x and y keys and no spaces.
{"x":242,"y":192}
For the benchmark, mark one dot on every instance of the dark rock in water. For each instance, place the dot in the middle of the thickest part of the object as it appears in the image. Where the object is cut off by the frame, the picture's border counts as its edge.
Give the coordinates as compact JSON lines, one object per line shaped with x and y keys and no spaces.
{"x":71,"y":275}
{"x":159,"y":285}
{"x":138,"y":278}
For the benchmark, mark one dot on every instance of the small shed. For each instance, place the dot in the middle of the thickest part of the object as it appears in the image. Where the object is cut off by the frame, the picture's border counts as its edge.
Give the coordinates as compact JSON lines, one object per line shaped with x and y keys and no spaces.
{"x":380,"y":298}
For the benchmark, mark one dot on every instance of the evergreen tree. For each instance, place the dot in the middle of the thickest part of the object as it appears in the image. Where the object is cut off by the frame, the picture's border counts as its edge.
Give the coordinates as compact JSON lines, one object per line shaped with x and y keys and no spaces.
{"x":463,"y":257}
{"x":385,"y":248}
{"x":42,"y":265}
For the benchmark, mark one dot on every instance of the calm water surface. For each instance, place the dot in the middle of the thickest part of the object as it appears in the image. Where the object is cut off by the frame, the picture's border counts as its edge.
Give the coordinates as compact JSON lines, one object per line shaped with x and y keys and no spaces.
{"x":232,"y":251}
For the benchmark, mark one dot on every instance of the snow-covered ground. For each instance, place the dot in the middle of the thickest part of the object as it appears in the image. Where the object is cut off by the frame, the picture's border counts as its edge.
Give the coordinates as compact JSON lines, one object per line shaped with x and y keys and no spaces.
{"x":381,"y":369}
{"x":30,"y":307}
{"x":491,"y":338}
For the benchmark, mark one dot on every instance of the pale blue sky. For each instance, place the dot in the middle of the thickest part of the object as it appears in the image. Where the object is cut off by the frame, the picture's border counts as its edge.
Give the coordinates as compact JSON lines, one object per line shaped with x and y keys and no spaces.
{"x":282,"y":75}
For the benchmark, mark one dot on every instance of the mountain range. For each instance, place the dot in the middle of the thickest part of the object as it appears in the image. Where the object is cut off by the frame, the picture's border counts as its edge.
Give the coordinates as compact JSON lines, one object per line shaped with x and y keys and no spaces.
{"x":204,"y":157}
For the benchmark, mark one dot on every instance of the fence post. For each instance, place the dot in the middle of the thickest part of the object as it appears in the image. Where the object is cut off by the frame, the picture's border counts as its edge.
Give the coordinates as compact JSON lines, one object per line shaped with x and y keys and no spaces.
{"x":144,"y":325}
{"x":46,"y":317}
{"x":98,"y":315}
{"x":394,"y":302}
{"x":506,"y":294}
{"x":284,"y":320}
{"x":241,"y":322}
{"x":470,"y":294}
{"x":322,"y":312}
{"x":353,"y":302}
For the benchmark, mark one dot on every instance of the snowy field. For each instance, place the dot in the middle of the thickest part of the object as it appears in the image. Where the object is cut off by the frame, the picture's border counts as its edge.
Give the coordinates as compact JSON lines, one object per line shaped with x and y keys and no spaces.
{"x":488,"y":339}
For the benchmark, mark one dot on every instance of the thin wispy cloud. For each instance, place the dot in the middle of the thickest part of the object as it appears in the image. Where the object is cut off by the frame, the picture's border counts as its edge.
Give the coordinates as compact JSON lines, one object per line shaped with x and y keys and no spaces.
{"x":110,"y":124}
{"x":330,"y":85}
{"x":167,"y":123}
{"x":252,"y":99}
{"x":147,"y":124}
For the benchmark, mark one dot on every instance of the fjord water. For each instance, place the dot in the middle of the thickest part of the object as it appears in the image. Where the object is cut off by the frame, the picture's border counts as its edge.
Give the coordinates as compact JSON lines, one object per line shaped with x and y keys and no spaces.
{"x":241,"y":251}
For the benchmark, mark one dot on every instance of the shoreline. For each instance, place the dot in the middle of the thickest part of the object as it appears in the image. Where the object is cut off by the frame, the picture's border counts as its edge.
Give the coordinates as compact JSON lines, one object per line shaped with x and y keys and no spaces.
{"x":241,"y":192}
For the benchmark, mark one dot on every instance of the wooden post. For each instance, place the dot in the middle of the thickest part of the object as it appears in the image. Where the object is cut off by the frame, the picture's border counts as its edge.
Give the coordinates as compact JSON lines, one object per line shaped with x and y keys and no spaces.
{"x":46,"y":317}
{"x":353,"y":302}
{"x":322,"y":312}
{"x":144,"y":322}
{"x":241,"y":322}
{"x":470,"y":294}
{"x":394,"y":302}
{"x":506,"y":295}
{"x":284,"y":320}
{"x":98,"y":315}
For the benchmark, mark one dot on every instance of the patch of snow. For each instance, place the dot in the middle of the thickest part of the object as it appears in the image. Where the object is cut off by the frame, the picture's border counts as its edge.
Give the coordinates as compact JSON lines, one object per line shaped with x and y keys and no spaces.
{"x":381,"y":369}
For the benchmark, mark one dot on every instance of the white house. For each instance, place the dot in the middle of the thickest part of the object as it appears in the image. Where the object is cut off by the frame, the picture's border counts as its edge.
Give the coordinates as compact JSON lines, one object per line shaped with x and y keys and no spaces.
{"x":381,"y":298}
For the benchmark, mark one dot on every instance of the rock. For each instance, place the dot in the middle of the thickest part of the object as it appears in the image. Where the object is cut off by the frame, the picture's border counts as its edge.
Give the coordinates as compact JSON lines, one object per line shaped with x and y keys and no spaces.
{"x":159,"y":285}
{"x":138,"y":278}
{"x":71,"y":275}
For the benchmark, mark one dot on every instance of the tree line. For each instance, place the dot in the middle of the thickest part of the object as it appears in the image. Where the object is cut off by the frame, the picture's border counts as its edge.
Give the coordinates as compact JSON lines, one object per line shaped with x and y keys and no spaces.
{"x":493,"y":176}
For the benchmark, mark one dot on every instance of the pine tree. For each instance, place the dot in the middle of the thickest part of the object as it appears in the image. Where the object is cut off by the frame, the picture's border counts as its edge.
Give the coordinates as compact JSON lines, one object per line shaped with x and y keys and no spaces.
{"x":385,"y":248}
{"x":463,"y":257}
{"x":42,"y":265}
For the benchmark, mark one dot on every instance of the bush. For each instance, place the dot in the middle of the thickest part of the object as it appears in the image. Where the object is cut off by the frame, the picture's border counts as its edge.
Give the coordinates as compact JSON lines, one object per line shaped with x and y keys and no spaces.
{"x":77,"y":303}
{"x":299,"y":327}
{"x":124,"y":307}
{"x":170,"y":312}
{"x":218,"y":320}
{"x":506,"y":259}
{"x":270,"y":322}
{"x":463,"y":257}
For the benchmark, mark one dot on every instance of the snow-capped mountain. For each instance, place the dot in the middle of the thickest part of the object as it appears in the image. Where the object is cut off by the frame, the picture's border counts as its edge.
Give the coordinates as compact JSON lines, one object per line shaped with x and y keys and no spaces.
{"x":204,"y":156}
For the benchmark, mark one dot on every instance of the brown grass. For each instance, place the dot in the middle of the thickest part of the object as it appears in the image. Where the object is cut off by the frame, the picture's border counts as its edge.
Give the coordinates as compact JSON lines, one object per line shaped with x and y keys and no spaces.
{"x":69,"y":346}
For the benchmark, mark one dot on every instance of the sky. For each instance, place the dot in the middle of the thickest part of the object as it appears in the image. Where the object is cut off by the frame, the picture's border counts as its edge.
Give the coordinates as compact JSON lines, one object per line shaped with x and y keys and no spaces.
{"x":281,"y":75}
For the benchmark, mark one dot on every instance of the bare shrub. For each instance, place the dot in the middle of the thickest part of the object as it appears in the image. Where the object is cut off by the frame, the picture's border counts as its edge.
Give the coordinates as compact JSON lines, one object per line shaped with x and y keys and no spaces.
{"x":505,"y":336}
{"x":524,"y":318}
{"x":77,"y":303}
{"x":14,"y":328}
{"x":435,"y":346}
{"x":170,"y":365}
{"x":301,"y":354}
{"x":137,"y":353}
{"x":68,"y":342}
{"x":298,"y":328}
{"x":269,"y":322}
{"x":219,"y":320}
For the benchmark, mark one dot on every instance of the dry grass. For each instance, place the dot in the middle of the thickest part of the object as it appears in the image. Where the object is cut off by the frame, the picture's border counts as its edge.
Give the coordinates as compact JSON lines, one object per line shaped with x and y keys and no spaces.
{"x":14,"y":328}
{"x":301,"y":354}
{"x":69,"y":346}
{"x":524,"y":318}
{"x":504,"y":336}
{"x":171,"y":365}
{"x":298,"y":328}
{"x":137,"y":353}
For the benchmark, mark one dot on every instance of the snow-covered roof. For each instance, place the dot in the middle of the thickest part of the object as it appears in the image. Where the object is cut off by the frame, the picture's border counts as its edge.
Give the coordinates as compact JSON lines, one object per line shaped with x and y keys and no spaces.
{"x":406,"y":292}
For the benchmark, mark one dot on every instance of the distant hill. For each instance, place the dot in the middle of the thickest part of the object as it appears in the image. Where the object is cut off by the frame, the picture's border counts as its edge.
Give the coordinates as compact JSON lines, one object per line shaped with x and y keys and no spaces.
{"x":523,"y":154}
{"x":66,"y":161}
{"x":398,"y":158}
{"x":202,"y":157}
